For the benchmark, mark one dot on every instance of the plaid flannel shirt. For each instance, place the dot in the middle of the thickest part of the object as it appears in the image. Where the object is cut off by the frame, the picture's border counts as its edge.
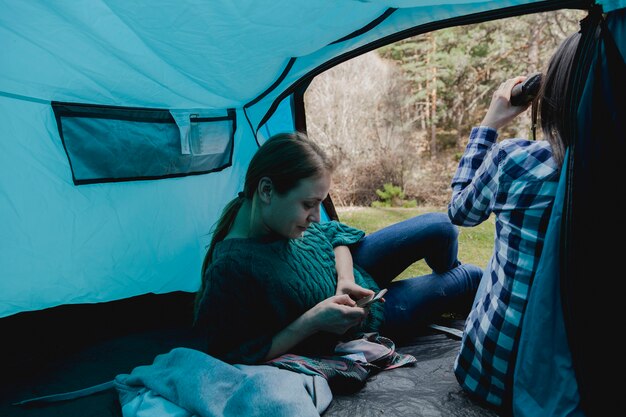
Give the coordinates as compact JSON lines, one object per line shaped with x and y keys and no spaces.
{"x":516,"y":180}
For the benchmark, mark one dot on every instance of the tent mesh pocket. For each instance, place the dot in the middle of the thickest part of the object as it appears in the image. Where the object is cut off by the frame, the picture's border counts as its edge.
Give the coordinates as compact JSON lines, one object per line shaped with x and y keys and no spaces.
{"x":109,"y":144}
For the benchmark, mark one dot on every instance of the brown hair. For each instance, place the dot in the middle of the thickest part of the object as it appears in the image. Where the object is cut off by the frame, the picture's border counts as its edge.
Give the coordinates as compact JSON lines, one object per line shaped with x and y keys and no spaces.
{"x":554,"y":96}
{"x":285,"y":158}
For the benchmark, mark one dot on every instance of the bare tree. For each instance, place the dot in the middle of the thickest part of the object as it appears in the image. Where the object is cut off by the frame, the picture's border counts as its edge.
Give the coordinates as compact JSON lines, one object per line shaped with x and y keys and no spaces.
{"x":358,"y":112}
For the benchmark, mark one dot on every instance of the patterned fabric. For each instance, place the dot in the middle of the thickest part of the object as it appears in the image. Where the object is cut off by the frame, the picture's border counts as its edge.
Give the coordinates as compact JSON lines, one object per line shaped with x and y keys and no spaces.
{"x":353,"y":361}
{"x":516,"y":180}
{"x":255,"y":288}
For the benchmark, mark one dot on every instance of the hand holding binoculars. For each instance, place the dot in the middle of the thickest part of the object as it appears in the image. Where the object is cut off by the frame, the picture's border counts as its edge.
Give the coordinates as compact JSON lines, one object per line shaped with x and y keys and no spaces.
{"x":526,"y":91}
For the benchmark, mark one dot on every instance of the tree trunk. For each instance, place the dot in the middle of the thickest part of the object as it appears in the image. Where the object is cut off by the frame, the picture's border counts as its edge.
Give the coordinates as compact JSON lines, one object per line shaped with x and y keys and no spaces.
{"x":459,"y":128}
{"x":433,"y":101}
{"x":423,"y":111}
{"x":533,"y":48}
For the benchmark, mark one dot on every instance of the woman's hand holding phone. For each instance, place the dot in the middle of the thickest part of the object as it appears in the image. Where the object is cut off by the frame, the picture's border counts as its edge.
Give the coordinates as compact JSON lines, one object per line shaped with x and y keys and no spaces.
{"x":336,"y":314}
{"x":367,"y":301}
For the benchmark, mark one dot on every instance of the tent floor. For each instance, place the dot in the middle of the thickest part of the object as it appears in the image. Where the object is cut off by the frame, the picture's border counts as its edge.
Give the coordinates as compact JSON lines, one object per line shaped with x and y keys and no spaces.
{"x":427,"y":388}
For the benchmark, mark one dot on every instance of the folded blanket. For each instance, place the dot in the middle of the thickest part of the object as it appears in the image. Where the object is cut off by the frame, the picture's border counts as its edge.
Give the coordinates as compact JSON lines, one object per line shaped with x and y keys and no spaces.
{"x":187,"y":382}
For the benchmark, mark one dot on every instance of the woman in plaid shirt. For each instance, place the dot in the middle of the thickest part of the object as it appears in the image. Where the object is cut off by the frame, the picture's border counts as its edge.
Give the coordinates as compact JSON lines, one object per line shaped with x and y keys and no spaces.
{"x":516,"y":180}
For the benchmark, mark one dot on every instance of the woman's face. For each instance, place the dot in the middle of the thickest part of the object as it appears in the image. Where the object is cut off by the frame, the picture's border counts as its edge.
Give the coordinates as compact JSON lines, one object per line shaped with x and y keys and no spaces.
{"x":290,"y":214}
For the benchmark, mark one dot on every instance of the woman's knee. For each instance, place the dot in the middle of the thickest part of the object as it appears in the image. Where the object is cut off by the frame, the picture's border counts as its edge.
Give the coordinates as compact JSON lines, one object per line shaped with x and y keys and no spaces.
{"x":447,"y":228}
{"x":440,"y":224}
{"x":442,"y":238}
{"x":474,"y":275}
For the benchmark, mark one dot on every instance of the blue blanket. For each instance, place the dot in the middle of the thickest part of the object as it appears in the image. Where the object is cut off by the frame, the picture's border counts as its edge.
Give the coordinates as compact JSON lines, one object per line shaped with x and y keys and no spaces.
{"x":186,"y":382}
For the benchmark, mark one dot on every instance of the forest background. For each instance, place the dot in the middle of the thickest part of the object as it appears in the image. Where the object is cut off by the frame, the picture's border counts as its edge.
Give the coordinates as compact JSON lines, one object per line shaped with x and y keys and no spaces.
{"x":401,"y":114}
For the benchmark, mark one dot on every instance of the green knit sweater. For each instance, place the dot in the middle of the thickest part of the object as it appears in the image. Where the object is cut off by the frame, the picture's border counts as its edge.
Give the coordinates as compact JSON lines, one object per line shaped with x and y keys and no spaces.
{"x":255,"y":288}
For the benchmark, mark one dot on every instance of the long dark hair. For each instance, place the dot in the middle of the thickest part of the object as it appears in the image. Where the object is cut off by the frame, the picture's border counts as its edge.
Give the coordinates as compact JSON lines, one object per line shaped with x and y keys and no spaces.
{"x":285,"y":158}
{"x":554,"y":96}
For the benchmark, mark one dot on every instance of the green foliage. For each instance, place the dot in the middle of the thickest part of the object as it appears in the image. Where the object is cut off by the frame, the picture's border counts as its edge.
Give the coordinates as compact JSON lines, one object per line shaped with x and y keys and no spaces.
{"x":447,"y":140}
{"x":392,"y":196}
{"x":464,"y":64}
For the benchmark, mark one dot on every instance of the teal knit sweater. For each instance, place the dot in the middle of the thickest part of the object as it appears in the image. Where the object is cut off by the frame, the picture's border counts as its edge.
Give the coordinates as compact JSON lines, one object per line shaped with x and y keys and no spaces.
{"x":255,"y":288}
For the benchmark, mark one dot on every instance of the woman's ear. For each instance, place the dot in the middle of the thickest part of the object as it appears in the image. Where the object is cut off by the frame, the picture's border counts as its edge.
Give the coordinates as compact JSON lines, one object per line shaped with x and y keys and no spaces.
{"x":265,"y":189}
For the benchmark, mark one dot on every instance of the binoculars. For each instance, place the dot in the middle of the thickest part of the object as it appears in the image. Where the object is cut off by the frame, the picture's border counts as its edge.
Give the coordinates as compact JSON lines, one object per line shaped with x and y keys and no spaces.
{"x":525,"y":92}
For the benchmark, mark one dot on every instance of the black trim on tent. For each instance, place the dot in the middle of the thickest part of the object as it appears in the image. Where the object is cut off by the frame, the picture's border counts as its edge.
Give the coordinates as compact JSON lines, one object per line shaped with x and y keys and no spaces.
{"x":299,"y":109}
{"x":300,"y":123}
{"x":132,"y":114}
{"x":106,"y":144}
{"x":329,"y":206}
{"x":280,"y":78}
{"x":367,"y":27}
{"x":276,"y":102}
{"x":254,"y":132}
{"x":283,"y":74}
{"x":417,"y":30}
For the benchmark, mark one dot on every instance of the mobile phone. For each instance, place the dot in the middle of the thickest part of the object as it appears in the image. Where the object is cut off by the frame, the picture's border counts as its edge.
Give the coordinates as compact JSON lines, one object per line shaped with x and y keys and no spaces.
{"x":366,"y":301}
{"x":526,"y":91}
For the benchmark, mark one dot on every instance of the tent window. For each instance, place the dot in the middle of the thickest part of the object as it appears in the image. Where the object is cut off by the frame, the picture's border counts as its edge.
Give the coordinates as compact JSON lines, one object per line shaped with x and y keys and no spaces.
{"x":108,"y":144}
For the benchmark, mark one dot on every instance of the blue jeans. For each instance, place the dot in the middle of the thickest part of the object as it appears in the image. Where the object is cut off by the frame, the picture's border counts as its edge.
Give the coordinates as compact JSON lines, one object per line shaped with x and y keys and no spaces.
{"x":410,"y":303}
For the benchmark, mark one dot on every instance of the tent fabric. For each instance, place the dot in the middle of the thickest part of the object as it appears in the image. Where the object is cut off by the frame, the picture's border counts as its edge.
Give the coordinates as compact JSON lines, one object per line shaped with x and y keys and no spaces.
{"x":95,"y":243}
{"x":549,"y":389}
{"x":67,"y":244}
{"x":591,"y":265}
{"x":165,"y":53}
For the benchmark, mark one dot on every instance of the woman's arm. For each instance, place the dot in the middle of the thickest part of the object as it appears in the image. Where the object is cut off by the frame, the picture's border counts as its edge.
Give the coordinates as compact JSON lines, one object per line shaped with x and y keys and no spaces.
{"x":345,"y":275}
{"x":475,"y":182}
{"x":501,"y":112}
{"x":335,"y":315}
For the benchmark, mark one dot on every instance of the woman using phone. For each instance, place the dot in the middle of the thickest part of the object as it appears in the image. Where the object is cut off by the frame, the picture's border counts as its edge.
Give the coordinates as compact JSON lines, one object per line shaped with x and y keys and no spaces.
{"x":275,"y":279}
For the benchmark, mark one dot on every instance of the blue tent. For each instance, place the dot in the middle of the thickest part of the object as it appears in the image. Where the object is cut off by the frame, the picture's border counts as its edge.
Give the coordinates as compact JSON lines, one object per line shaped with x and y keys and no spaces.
{"x":125,"y":127}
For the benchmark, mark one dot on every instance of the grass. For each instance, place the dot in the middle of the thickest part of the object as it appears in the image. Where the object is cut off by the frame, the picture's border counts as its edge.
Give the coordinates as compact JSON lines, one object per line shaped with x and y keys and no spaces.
{"x":475,"y":243}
